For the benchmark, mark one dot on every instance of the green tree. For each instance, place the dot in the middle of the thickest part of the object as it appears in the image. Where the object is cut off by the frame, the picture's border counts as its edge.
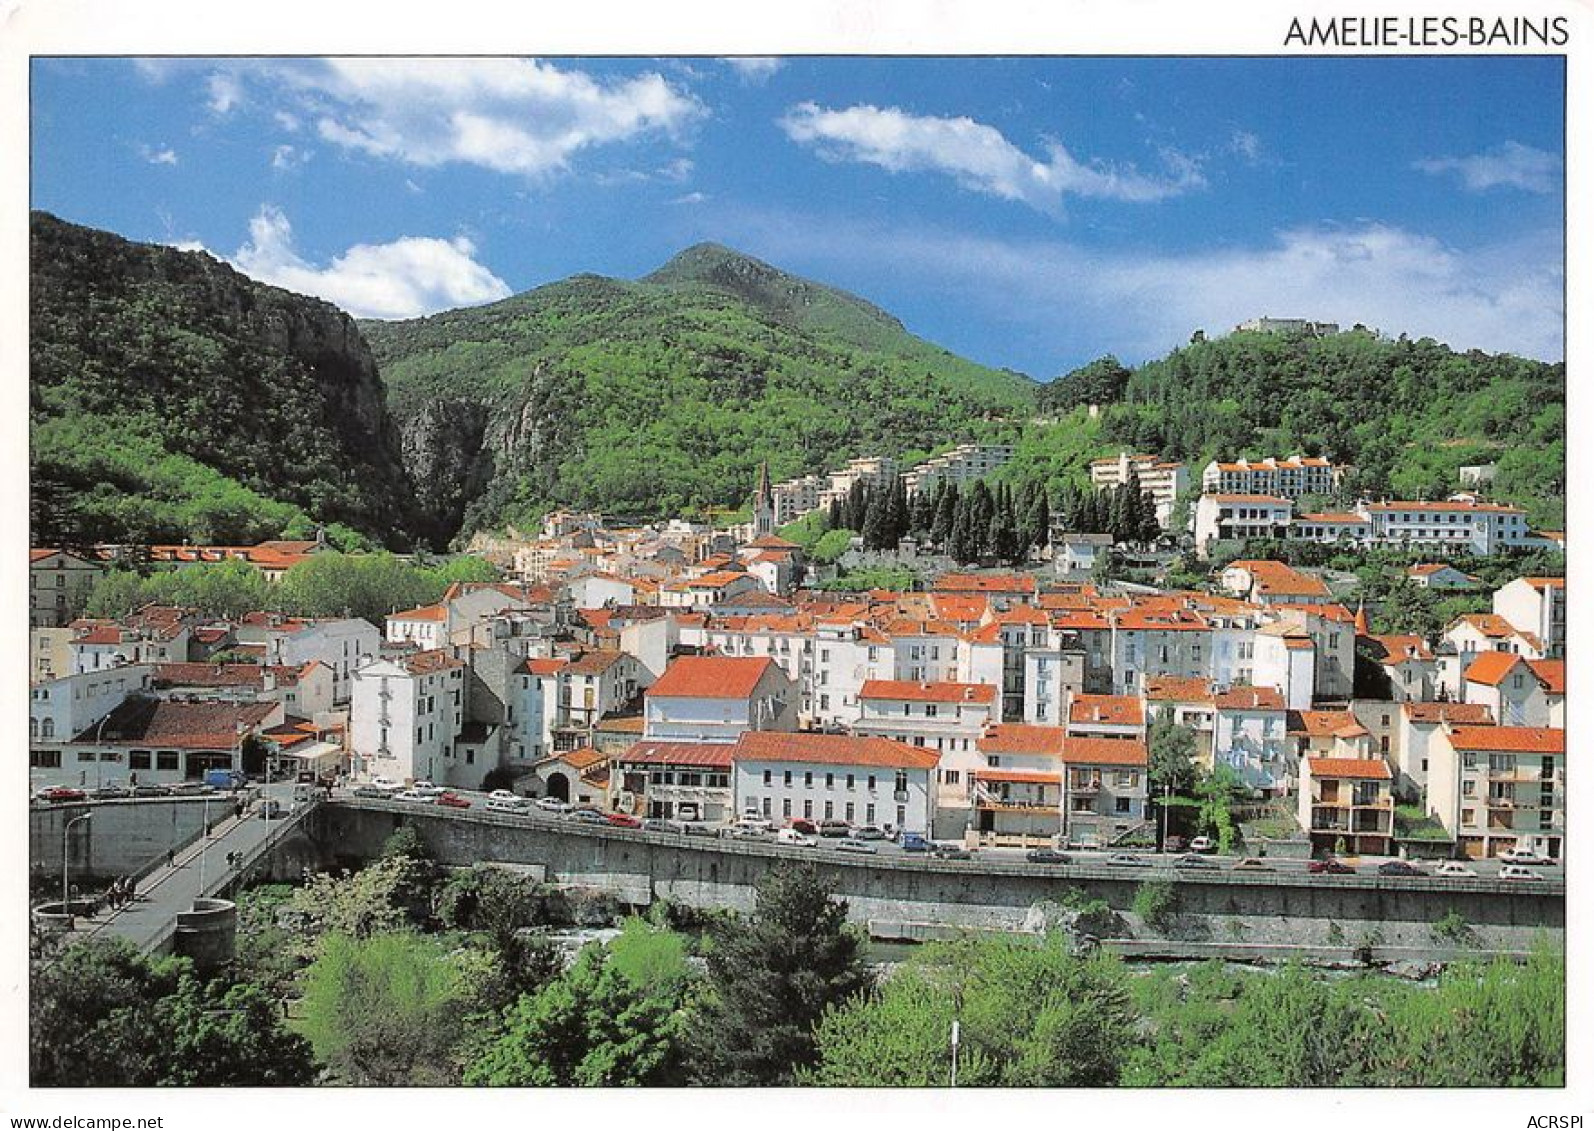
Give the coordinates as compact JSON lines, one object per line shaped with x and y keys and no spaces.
{"x":1030,"y":1016}
{"x":614,"y":1018}
{"x":102,"y":1015}
{"x":1173,"y":749}
{"x":771,"y":977}
{"x":390,"y":1010}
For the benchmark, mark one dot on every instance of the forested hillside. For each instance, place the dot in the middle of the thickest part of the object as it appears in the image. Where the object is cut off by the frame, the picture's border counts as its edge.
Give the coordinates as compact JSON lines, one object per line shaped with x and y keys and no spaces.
{"x":663,"y":395}
{"x":172,"y":398}
{"x":1405,"y":413}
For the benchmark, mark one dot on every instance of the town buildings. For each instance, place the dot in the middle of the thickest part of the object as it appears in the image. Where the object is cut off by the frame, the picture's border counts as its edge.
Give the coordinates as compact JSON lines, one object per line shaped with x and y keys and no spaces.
{"x":1290,"y":478}
{"x":1163,"y":480}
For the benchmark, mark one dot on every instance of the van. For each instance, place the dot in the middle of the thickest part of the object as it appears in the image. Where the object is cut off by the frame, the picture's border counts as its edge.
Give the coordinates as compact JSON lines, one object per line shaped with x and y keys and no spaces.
{"x":508,"y":805}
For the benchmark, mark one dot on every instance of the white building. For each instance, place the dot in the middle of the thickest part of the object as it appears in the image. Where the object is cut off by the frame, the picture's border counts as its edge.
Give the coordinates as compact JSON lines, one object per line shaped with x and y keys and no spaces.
{"x":963,"y":464}
{"x":1227,"y":517}
{"x":404,"y":719}
{"x":717,"y":698}
{"x":61,"y":709}
{"x":343,"y":644}
{"x":58,"y":581}
{"x":1293,"y":477}
{"x":1418,"y":723}
{"x":1250,"y":737}
{"x":861,"y":780}
{"x":1163,"y":480}
{"x":1498,"y":787}
{"x":1536,"y":605}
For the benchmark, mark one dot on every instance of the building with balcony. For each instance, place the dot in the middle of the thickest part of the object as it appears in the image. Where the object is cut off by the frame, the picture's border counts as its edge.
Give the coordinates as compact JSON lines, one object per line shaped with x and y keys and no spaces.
{"x":1250,"y":737}
{"x":839,"y":777}
{"x":1163,"y":480}
{"x":684,"y":781}
{"x":1235,"y":517}
{"x":1499,"y":787}
{"x":1104,"y":789}
{"x":1346,"y":806}
{"x":716,"y":698}
{"x":1017,"y":795}
{"x":405,"y":717}
{"x":1291,"y":478}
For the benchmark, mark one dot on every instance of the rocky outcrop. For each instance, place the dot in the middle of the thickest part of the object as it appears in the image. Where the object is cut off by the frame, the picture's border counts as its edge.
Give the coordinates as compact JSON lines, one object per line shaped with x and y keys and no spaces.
{"x":272,"y":389}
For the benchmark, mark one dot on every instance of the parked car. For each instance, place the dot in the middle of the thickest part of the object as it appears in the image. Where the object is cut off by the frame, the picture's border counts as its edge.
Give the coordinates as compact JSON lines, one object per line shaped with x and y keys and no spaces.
{"x":418,"y":797}
{"x":698,"y":828}
{"x":1203,"y":844}
{"x":193,"y":789}
{"x":452,"y":800}
{"x":504,"y":795}
{"x":1126,"y":860}
{"x":914,"y":842}
{"x":1253,"y":864}
{"x":834,"y":828}
{"x":853,"y":844}
{"x":623,"y":820}
{"x":1174,"y":844}
{"x":948,"y":851}
{"x":869,"y":832}
{"x":1454,"y":868}
{"x":109,"y":790}
{"x":739,"y":831}
{"x":586,"y":817}
{"x":792,"y":836}
{"x":1518,"y":872}
{"x":1399,"y":868}
{"x":387,"y":784}
{"x":804,"y":825}
{"x":369,"y":789}
{"x":759,"y":825}
{"x":1047,"y":856}
{"x":508,"y":805}
{"x":63,"y":793}
{"x":152,"y":791}
{"x":429,"y":789}
{"x":1192,"y":860}
{"x":660,"y":825}
{"x":1525,"y":856}
{"x":553,"y":805}
{"x":1331,"y":867}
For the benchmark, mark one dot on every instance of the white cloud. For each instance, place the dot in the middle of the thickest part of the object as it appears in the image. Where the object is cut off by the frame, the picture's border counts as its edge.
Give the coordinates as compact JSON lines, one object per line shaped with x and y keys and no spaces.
{"x":410,"y":276}
{"x":690,"y":198}
{"x":1509,"y":165}
{"x":1139,"y":304}
{"x":286,"y":157}
{"x":509,"y":115}
{"x":754,"y":68}
{"x":977,"y":156}
{"x":165,"y":155}
{"x":1244,"y":143}
{"x":224,"y":92}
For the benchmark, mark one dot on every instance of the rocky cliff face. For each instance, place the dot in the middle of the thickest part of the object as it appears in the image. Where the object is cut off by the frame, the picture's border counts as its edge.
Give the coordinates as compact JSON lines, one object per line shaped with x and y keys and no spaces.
{"x":274,"y":390}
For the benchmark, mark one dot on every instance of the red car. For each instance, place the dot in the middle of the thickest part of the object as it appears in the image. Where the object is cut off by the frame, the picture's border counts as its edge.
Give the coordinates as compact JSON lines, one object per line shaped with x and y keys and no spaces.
{"x":623,"y":820}
{"x":1330,"y":866}
{"x":805,"y":826}
{"x":64,"y":793}
{"x":454,"y":801}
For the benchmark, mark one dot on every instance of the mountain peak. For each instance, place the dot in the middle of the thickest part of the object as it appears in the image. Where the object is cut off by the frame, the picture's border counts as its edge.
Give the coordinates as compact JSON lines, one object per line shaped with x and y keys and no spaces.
{"x":788,"y":297}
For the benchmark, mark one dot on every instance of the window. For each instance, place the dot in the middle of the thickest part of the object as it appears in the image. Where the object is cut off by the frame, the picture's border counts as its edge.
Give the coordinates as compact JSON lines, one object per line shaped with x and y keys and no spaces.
{"x":786,"y":779}
{"x":902,"y":816}
{"x":1121,"y":804}
{"x":138,"y":760}
{"x":994,"y":760}
{"x":830,"y":781}
{"x":1469,"y":788}
{"x":166,"y":760}
{"x":1469,"y":816}
{"x":808,"y":779}
{"x":785,"y":807}
{"x":871,"y":781}
{"x":766,"y":806}
{"x":902,"y":781}
{"x":868,"y":814}
{"x":769,"y":776}
{"x":830,"y":810}
{"x":950,"y":777}
{"x":808,"y":809}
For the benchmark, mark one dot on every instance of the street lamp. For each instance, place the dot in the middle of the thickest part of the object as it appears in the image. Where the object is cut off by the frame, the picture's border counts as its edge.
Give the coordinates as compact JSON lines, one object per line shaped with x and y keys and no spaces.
{"x":66,"y":893}
{"x":955,"y":1053}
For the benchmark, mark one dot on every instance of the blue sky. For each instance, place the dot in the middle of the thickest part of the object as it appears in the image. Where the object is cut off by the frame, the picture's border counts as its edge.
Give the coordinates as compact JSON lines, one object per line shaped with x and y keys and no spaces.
{"x":1033,"y":213}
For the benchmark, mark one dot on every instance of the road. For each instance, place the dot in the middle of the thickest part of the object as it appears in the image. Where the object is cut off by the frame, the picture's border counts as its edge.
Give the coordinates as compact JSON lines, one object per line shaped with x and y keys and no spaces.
{"x":1150,"y":862}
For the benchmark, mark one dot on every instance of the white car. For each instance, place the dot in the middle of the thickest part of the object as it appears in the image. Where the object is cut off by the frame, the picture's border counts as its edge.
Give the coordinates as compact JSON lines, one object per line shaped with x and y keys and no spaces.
{"x":553,"y":805}
{"x":1454,"y":868}
{"x":792,"y":836}
{"x":386,"y":784}
{"x":505,"y":795}
{"x":427,"y":788}
{"x":509,"y":804}
{"x":1518,"y":872}
{"x":420,"y":797}
{"x":1525,"y":856}
{"x":1203,"y":844}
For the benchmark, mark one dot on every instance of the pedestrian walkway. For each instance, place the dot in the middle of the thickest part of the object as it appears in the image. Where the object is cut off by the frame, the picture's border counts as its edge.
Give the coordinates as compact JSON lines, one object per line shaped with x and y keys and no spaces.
{"x":197,"y":870}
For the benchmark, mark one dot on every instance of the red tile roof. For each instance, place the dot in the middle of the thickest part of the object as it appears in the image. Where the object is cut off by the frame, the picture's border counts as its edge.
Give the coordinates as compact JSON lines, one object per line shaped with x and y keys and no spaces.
{"x":832,"y":749}
{"x":1026,"y":777}
{"x":1176,"y":689}
{"x":1374,"y":768}
{"x":1491,"y":667}
{"x":1021,"y":738}
{"x":1251,"y":699}
{"x":906,"y":689}
{"x":226,"y":675}
{"x":1104,"y":751}
{"x":210,"y":725}
{"x":716,"y":755}
{"x":1116,"y":710}
{"x":424,"y":663}
{"x":984,"y":583}
{"x":1551,"y":673}
{"x":1272,"y":577}
{"x":1476,"y":714}
{"x":424,"y":613}
{"x":711,"y":677}
{"x":1320,"y":724}
{"x":1520,"y":740}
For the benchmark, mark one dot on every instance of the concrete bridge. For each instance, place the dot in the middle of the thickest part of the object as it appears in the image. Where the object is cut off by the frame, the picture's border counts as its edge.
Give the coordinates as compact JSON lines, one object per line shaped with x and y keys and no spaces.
{"x":1216,"y":905}
{"x":894,"y":894}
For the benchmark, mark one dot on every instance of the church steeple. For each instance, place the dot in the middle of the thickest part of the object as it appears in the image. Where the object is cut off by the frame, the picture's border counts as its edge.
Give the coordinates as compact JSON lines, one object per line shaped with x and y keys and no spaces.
{"x":763,"y":503}
{"x":1361,"y":621}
